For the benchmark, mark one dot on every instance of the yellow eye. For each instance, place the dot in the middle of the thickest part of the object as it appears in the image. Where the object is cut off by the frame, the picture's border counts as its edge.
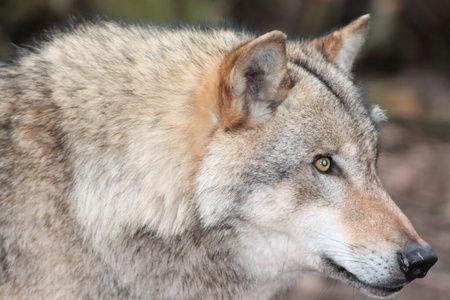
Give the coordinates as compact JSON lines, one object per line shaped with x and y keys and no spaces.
{"x":323,"y":164}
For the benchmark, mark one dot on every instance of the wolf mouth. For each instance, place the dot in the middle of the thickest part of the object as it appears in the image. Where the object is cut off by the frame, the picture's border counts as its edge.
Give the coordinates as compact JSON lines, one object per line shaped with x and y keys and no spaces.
{"x":375,"y":290}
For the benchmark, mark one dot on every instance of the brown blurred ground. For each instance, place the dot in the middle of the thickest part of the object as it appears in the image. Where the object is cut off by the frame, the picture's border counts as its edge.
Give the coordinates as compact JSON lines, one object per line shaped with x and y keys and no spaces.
{"x":405,"y":68}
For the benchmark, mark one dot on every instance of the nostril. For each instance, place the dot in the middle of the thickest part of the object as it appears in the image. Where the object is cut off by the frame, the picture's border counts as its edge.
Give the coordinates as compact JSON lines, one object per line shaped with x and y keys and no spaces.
{"x":405,"y":267}
{"x":416,"y":261}
{"x":403,"y":262}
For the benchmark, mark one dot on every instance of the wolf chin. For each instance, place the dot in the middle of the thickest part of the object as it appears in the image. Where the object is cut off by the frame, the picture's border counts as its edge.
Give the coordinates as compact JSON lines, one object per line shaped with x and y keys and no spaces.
{"x":141,"y":162}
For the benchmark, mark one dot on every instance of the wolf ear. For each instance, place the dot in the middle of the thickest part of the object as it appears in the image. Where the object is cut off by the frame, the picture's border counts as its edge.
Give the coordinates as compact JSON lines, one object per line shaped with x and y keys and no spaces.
{"x":254,"y":81}
{"x":341,"y":47}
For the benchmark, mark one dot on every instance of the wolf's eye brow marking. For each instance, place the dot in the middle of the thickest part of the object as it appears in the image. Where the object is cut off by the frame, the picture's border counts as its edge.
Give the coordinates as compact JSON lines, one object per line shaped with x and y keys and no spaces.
{"x":323,"y":164}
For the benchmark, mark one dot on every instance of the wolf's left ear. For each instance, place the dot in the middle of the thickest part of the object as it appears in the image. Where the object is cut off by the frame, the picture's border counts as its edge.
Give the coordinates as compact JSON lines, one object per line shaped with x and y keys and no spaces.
{"x":254,"y":81}
{"x":341,"y":47}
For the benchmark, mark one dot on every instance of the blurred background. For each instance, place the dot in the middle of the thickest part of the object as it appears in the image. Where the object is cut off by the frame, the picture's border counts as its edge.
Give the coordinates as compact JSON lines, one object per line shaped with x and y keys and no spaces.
{"x":405,"y":68}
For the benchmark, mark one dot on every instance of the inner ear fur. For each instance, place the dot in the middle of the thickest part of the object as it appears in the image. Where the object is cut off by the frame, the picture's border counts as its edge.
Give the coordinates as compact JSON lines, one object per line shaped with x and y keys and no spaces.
{"x":341,"y":47}
{"x":253,"y":81}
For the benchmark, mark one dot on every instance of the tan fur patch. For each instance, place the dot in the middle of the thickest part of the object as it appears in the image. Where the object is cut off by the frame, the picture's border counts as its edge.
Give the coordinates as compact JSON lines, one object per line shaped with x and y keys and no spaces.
{"x":329,"y":45}
{"x":205,"y":119}
{"x":231,"y":113}
{"x":376,"y":220}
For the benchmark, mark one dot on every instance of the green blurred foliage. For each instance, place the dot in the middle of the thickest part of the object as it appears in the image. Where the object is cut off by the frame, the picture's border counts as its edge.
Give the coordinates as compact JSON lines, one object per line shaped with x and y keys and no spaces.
{"x":163,"y":11}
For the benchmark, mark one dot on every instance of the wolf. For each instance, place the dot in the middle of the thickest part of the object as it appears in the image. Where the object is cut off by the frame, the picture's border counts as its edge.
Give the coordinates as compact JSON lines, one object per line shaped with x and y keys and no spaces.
{"x":145,"y":162}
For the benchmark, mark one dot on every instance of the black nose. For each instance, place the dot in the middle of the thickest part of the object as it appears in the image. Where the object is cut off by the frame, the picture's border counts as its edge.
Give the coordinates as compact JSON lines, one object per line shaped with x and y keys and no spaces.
{"x":416,"y":260}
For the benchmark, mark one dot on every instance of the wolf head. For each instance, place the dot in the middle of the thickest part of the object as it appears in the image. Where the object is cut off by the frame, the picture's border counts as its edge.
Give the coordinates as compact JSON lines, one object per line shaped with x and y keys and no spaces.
{"x":293,"y":165}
